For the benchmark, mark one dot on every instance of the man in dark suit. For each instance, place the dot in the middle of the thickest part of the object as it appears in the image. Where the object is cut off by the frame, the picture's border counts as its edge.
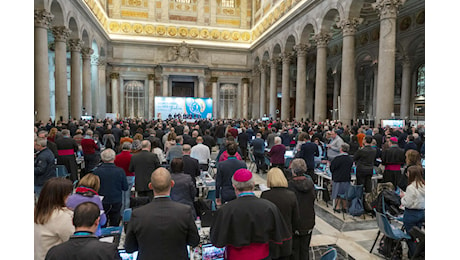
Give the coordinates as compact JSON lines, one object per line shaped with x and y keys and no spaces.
{"x":83,"y":244}
{"x":117,"y":133}
{"x":191,"y":165}
{"x":308,"y":151}
{"x":162,"y":218}
{"x":225,"y":171}
{"x":67,"y":147}
{"x":143,"y":164}
{"x":365,"y":158}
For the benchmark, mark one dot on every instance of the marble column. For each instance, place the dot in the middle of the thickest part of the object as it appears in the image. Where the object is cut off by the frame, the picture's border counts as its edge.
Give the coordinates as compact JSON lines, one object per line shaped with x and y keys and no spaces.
{"x":273,"y":83}
{"x":286,"y":58}
{"x":86,"y":79}
{"x":102,"y":88}
{"x":61,"y":33}
{"x":301,"y":88}
{"x":151,"y":107}
{"x":42,"y":104}
{"x":322,"y":39}
{"x":255,"y":92}
{"x":374,"y":96}
{"x":310,"y":92}
{"x":405,"y":88}
{"x":335,"y":96}
{"x":348,"y":84}
{"x":75,"y":46}
{"x":201,"y":86}
{"x":214,"y":97}
{"x":263,"y":89}
{"x":244,"y":105}
{"x":114,"y":76}
{"x":388,"y":10}
{"x":165,"y":85}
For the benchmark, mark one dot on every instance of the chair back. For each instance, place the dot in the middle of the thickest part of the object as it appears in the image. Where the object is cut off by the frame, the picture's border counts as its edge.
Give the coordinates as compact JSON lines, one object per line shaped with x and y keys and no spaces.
{"x":61,"y":171}
{"x":388,"y":229}
{"x":330,"y":254}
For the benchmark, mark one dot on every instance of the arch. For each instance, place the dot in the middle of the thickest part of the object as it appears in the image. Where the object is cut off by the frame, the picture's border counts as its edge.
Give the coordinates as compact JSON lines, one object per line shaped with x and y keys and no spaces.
{"x":276,"y":50}
{"x":329,"y":20}
{"x":353,"y":8}
{"x":307,"y":32}
{"x":266,"y":57}
{"x":290,"y":43}
{"x":58,"y":12}
{"x":365,"y":56}
{"x":74,"y":28}
{"x":85,"y":38}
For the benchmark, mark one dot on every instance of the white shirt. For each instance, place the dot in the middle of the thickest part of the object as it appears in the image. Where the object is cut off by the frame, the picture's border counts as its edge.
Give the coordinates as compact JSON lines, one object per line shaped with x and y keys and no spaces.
{"x":414,"y":198}
{"x":201,"y":153}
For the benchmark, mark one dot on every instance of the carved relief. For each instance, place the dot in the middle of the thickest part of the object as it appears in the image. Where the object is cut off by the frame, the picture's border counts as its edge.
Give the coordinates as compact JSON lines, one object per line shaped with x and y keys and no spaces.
{"x":184,"y":52}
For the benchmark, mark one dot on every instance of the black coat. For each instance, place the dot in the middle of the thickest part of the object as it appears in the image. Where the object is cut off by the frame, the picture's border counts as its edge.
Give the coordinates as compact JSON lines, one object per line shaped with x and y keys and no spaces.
{"x":341,"y":168}
{"x":162,"y":229}
{"x":225,"y":171}
{"x":143,"y":164}
{"x":184,"y":190}
{"x":305,"y":192}
{"x":365,"y":159}
{"x":44,"y":167}
{"x":191,"y":166}
{"x":286,"y":201}
{"x":83,"y":248}
{"x":308,"y":151}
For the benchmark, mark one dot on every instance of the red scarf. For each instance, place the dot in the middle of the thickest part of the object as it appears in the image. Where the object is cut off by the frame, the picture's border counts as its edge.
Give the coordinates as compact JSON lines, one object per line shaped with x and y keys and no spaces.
{"x":85,"y":191}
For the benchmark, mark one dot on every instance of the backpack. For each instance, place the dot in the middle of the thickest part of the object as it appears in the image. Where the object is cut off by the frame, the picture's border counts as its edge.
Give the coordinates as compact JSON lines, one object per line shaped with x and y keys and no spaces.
{"x":355,"y":198}
{"x":387,"y":246}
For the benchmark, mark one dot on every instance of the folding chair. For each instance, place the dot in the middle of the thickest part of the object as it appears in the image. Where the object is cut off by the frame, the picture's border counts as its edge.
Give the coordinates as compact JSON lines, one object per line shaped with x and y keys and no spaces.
{"x":252,"y":162}
{"x":126,"y":217}
{"x":108,"y":232}
{"x":61,"y":171}
{"x":330,"y":254}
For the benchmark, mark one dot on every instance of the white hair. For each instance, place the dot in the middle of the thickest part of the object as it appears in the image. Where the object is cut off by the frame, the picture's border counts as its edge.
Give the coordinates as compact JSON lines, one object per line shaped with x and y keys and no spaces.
{"x":108,"y":155}
{"x":277,"y":140}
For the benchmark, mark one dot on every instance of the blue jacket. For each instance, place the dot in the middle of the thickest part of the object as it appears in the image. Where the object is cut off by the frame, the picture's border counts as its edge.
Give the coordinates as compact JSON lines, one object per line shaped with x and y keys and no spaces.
{"x":44,"y":167}
{"x":113,"y":182}
{"x":259,"y":145}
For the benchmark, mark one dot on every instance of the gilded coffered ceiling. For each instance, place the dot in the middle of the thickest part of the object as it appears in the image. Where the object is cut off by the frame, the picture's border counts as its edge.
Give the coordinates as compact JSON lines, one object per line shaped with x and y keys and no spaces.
{"x":235,"y":22}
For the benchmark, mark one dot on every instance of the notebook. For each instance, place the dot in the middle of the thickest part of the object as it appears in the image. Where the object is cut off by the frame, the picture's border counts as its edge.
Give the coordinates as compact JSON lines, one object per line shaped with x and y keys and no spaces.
{"x":210,"y":252}
{"x":127,"y":256}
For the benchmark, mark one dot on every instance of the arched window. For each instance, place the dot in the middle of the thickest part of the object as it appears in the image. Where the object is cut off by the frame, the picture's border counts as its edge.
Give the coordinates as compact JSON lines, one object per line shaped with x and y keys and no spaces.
{"x":420,"y":81}
{"x":227,"y":100}
{"x":134,"y":99}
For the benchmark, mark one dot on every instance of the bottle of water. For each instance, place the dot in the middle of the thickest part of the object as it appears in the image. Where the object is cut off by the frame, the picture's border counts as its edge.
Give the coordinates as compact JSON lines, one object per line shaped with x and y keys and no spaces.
{"x":198,"y":224}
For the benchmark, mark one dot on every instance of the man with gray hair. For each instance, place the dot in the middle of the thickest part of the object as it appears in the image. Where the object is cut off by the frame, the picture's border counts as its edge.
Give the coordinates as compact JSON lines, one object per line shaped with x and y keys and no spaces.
{"x":67,"y":147}
{"x":238,"y":224}
{"x":44,"y":167}
{"x":113,"y":183}
{"x":276,"y":154}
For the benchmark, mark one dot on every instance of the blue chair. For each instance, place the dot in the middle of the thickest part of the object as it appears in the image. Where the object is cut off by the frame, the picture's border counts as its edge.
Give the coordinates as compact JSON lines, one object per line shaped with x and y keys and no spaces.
{"x":212,"y":196}
{"x":389,"y":230}
{"x":61,"y":171}
{"x":330,"y":254}
{"x":114,"y":232}
{"x":126,"y":217}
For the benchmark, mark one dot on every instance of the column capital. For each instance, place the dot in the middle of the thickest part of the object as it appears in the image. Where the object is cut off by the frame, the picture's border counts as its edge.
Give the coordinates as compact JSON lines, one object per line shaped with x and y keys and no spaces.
{"x":349,"y":25}
{"x":42,"y":18}
{"x":387,"y":8}
{"x":100,"y":61}
{"x":165,"y":76}
{"x":322,"y":39}
{"x":273,"y":62}
{"x":245,"y":80}
{"x":262,"y":67}
{"x":60,"y":33}
{"x":214,"y":79}
{"x":114,"y":75}
{"x":302,"y":49}
{"x":151,"y":76}
{"x":75,"y":45}
{"x":286,"y":57}
{"x":201,"y":78}
{"x":86,"y":52}
{"x":255,"y":71}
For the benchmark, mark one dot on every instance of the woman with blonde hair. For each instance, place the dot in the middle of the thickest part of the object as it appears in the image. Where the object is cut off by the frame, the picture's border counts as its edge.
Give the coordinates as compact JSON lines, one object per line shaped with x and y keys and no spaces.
{"x":52,"y":219}
{"x":171,"y":141}
{"x":87,"y":190}
{"x":286,"y":201}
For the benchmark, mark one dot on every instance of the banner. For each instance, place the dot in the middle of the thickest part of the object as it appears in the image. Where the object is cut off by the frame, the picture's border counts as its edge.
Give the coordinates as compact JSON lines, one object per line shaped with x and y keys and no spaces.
{"x":183,"y":107}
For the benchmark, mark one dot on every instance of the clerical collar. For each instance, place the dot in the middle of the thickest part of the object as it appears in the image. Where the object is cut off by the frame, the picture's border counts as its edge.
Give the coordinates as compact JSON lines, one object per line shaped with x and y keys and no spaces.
{"x":162,"y":196}
{"x":249,"y":193}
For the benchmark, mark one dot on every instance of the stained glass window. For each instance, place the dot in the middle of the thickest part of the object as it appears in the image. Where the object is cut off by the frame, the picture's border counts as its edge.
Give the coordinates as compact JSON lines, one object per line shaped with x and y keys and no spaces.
{"x":420,"y":81}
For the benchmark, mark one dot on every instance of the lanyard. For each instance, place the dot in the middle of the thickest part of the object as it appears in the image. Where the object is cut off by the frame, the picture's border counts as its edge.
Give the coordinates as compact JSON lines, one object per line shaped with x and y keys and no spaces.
{"x":82,"y":233}
{"x":162,"y":196}
{"x":246,"y":194}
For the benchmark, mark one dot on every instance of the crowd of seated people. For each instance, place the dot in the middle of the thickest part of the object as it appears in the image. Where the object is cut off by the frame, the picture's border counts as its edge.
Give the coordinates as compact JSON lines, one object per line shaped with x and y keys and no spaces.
{"x":165,"y":140}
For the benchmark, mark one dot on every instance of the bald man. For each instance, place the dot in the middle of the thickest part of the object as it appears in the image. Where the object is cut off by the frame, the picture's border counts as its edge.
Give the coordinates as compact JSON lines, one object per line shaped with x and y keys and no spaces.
{"x":163,"y":228}
{"x":143,"y":164}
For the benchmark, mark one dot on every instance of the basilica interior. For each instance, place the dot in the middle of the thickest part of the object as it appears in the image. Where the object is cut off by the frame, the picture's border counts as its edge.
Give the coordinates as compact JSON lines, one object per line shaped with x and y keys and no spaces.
{"x":343,"y":60}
